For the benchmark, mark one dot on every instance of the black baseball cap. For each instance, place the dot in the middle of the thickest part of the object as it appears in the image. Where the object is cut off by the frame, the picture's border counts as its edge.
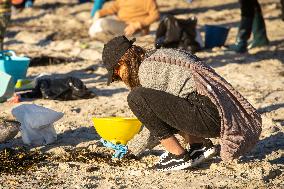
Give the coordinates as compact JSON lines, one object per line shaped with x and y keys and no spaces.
{"x":113,"y":51}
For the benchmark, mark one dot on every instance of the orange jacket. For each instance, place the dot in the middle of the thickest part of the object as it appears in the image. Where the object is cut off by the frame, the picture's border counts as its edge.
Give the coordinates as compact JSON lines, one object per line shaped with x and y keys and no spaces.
{"x":144,"y":11}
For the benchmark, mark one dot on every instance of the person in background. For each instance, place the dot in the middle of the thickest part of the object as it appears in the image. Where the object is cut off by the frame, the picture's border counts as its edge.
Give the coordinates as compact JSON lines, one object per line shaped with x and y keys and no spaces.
{"x":173,"y":91}
{"x":5,"y":16}
{"x":126,"y":17}
{"x":251,"y":21}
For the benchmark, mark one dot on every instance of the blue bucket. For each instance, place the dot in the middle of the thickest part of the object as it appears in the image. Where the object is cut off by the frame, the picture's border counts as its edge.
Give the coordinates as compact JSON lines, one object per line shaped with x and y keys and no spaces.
{"x":13,"y":65}
{"x":215,"y":36}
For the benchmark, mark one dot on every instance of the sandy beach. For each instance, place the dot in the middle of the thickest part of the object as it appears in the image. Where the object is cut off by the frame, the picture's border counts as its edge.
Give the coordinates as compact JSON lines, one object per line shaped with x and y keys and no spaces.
{"x":57,"y":31}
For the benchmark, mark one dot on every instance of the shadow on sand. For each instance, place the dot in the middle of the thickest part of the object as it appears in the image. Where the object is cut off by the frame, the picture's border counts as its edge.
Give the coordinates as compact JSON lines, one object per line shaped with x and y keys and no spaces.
{"x":178,"y":11}
{"x":266,"y":146}
{"x":270,"y":108}
{"x":246,"y":58}
{"x":67,"y":138}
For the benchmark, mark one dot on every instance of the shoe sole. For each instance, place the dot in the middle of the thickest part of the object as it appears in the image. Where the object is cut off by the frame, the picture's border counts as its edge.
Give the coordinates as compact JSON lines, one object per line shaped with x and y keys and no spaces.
{"x":177,"y":168}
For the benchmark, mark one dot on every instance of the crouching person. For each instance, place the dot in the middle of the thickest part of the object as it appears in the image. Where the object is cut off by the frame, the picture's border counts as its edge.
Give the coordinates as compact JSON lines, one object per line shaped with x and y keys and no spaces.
{"x":125,"y":17}
{"x":172,"y":91}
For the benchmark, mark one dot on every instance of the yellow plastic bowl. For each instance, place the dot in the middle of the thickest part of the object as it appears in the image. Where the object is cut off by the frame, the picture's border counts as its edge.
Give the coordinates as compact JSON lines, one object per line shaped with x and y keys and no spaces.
{"x":117,"y":130}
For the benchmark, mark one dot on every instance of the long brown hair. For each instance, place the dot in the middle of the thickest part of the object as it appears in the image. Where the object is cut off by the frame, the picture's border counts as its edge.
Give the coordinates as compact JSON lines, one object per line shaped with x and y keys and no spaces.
{"x":132,"y":59}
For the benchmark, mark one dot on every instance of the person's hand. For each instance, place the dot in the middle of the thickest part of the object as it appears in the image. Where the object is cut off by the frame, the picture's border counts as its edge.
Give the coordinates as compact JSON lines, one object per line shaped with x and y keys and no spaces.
{"x":132,"y":28}
{"x":97,"y":15}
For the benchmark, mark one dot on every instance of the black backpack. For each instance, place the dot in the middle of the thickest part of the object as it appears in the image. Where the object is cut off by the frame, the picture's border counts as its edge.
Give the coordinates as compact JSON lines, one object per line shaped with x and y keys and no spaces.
{"x":177,"y":33}
{"x":66,"y":88}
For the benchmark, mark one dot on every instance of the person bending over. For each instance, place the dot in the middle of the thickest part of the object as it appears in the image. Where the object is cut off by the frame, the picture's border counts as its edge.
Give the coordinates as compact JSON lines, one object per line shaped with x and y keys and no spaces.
{"x":125,"y":17}
{"x":173,"y":91}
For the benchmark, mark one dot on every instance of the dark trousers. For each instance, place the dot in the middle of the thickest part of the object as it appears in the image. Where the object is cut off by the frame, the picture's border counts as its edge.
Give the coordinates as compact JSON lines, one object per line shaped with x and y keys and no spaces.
{"x":165,"y":114}
{"x":249,"y":8}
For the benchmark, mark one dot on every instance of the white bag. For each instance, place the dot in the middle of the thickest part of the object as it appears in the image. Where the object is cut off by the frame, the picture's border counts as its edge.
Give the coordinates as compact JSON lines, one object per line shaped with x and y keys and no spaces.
{"x":37,"y":123}
{"x":95,"y":27}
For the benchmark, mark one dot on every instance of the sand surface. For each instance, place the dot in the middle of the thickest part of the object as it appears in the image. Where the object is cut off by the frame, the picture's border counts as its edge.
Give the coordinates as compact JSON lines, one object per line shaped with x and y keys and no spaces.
{"x":59,"y":29}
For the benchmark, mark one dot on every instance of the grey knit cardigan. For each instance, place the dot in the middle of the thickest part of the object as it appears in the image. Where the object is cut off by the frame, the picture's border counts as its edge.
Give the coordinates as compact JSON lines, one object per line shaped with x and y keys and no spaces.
{"x":180,"y":73}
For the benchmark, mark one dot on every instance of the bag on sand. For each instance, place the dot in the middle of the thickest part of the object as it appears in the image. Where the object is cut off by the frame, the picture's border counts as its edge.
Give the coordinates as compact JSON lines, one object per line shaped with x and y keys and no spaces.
{"x":178,"y":33}
{"x":65,"y":88}
{"x":37,"y":123}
